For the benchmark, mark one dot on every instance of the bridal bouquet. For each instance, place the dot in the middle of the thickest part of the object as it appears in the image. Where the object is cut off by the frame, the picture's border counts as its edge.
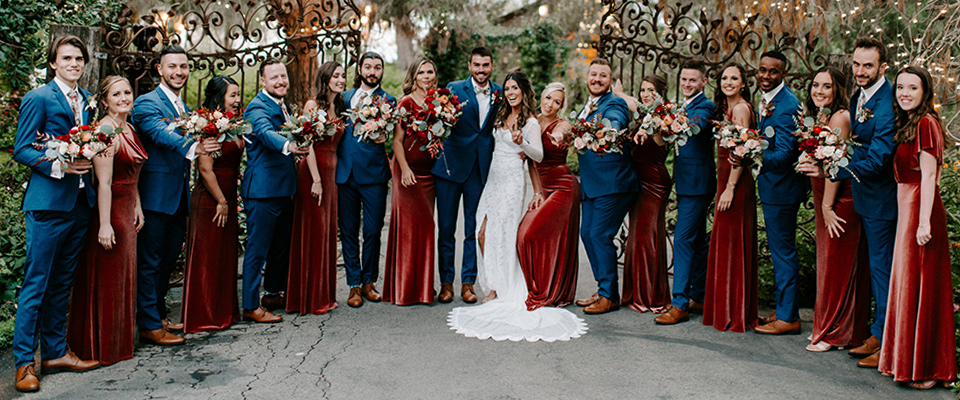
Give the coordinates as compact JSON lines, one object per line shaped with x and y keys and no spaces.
{"x":84,"y":141}
{"x":374,"y":119}
{"x":434,"y":123}
{"x":597,"y":136}
{"x":205,"y":123}
{"x":668,"y":120}
{"x":744,"y":143}
{"x":822,"y":146}
{"x":305,"y":129}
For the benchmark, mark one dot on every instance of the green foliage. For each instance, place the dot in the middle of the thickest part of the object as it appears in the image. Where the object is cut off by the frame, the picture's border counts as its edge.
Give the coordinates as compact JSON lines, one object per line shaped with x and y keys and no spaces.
{"x":448,"y":45}
{"x":12,"y":240}
{"x":9,"y":112}
{"x":542,"y":51}
{"x":806,"y":253}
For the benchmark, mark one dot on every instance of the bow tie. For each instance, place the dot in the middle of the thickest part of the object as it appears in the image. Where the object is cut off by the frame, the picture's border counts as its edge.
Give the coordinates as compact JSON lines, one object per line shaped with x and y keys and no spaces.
{"x":484,"y":91}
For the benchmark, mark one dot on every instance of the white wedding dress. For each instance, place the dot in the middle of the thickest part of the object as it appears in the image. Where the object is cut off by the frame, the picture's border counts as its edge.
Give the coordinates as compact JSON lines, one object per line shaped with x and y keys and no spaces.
{"x":502,"y":204}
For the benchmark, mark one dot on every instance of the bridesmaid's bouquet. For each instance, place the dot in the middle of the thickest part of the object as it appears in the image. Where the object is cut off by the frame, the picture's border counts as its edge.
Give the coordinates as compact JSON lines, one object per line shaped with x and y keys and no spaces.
{"x":822,"y":146}
{"x":305,"y":129}
{"x":597,"y":136}
{"x":668,"y":120}
{"x":85,"y":141}
{"x":205,"y":124}
{"x":372,"y":120}
{"x":743,"y":143}
{"x":433,"y":124}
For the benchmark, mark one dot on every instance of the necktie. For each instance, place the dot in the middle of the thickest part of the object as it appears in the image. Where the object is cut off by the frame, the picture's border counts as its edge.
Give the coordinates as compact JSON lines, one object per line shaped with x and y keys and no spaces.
{"x":861,"y":101}
{"x":763,"y":107}
{"x":75,"y":104}
{"x":179,"y":105}
{"x":481,"y":91}
{"x":286,"y":114}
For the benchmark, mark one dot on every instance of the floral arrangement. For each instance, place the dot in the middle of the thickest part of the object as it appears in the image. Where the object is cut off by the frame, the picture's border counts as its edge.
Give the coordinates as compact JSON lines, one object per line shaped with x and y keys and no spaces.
{"x":668,"y":120}
{"x":205,"y":123}
{"x":305,"y":129}
{"x":373,"y":119}
{"x":84,"y":141}
{"x":821,"y":145}
{"x":597,"y":136}
{"x":433,"y":124}
{"x":743,"y":143}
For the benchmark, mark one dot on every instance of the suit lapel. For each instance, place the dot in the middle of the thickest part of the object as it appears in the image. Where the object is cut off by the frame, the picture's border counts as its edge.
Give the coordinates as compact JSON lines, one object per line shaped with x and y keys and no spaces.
{"x":167,"y":103}
{"x":348,"y":96}
{"x":472,"y":101}
{"x":600,"y":102}
{"x":62,"y":100}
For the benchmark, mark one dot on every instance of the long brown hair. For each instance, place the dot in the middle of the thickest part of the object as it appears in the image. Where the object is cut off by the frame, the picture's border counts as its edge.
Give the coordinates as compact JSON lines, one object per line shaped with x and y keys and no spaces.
{"x":907,"y":121}
{"x":410,"y":81}
{"x":323,"y":78}
{"x":528,"y":105}
{"x":720,"y":99}
{"x":103,"y":90}
{"x":841,"y":98}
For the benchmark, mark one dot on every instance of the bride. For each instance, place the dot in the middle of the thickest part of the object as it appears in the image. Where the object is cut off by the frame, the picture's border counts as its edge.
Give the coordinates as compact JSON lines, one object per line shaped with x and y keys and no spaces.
{"x":503,"y":314}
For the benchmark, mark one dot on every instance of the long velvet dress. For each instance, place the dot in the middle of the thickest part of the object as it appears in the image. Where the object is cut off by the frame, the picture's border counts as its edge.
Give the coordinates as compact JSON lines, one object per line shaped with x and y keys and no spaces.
{"x":312,"y":280}
{"x":843,"y":276}
{"x":730,"y":302}
{"x":645,"y":285}
{"x":410,"y":261}
{"x":103,"y":307}
{"x":210,"y":300}
{"x":918,"y":339}
{"x":549,"y":237}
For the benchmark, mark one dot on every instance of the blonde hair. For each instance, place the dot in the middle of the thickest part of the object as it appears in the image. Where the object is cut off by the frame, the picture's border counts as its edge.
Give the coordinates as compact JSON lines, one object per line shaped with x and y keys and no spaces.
{"x":103,"y":90}
{"x":556,"y":87}
{"x":410,"y":82}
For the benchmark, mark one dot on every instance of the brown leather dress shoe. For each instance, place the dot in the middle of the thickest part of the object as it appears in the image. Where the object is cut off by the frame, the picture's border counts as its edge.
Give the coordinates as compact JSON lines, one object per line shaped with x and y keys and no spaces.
{"x":873,"y":361}
{"x":768,"y":319}
{"x":160,"y":337}
{"x":273,"y":301}
{"x":27,"y":380}
{"x":695,"y":307}
{"x":673,"y":316}
{"x":589,"y":300}
{"x":446,"y":292}
{"x":779,"y":327}
{"x":467,"y":293}
{"x":869,"y":347}
{"x":172,"y":326}
{"x":355,"y":299}
{"x":603,"y":305}
{"x":261,"y":315}
{"x":370,"y":292}
{"x":69,"y":362}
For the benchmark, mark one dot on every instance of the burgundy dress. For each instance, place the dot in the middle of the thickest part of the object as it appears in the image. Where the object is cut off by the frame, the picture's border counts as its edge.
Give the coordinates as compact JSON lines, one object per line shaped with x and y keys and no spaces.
{"x":411,"y":241}
{"x":645,"y":285}
{"x":103,"y":307}
{"x":918,"y":340}
{"x":549,"y":236}
{"x":843,"y":276}
{"x":312,"y":280}
{"x":210,"y":288}
{"x":730,"y":302}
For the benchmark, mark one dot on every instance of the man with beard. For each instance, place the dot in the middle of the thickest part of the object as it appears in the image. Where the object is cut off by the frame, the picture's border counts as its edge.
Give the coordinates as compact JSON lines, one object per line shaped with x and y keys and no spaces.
{"x":164,"y":193}
{"x":609,"y":186}
{"x":362,"y":175}
{"x":461,"y":169}
{"x":874,"y":187}
{"x":268,"y":186}
{"x":781,"y":189}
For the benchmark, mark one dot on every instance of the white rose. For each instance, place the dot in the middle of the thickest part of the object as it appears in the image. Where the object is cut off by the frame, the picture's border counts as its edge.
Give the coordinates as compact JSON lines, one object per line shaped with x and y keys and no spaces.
{"x":831,"y":139}
{"x":63,"y":147}
{"x":751,"y":144}
{"x":825,"y":152}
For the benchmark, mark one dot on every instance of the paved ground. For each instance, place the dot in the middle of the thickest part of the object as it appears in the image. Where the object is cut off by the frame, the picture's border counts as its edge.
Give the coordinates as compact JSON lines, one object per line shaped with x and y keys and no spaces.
{"x":391,"y":352}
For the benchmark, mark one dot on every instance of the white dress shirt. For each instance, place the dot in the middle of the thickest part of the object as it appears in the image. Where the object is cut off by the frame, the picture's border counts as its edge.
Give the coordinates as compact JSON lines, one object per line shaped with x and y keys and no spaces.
{"x":866,"y":94}
{"x":283,"y":107}
{"x":56,"y":170}
{"x":361,"y":95}
{"x":177,"y":104}
{"x":483,"y":99}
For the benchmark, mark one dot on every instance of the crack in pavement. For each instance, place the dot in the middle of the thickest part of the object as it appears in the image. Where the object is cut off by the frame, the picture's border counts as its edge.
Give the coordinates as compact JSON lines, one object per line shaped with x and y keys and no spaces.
{"x":322,"y":374}
{"x":266,"y":363}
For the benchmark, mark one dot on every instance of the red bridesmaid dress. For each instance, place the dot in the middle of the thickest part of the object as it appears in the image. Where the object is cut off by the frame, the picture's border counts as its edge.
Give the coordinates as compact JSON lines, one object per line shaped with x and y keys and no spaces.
{"x":918,"y":335}
{"x":645,"y":284}
{"x":103,"y":307}
{"x":210,"y":287}
{"x":549,"y":237}
{"x":312,"y":280}
{"x":411,"y":240}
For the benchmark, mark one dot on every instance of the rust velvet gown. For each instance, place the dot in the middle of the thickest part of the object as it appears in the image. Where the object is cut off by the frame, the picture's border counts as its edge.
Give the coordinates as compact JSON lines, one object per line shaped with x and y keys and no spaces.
{"x":101,"y":323}
{"x":549,"y":237}
{"x":645,"y":285}
{"x":312,"y":280}
{"x":843,"y":281}
{"x":408,"y":271}
{"x":918,"y":335}
{"x":210,"y":288}
{"x":730,"y":302}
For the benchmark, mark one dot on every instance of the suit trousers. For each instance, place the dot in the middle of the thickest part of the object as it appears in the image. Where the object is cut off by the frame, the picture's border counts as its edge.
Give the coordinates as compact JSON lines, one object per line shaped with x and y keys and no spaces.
{"x":881,"y":236}
{"x":159,"y":244}
{"x":449,"y":194}
{"x":690,"y":247}
{"x":353,"y":197}
{"x":781,"y":227}
{"x":267,"y":257}
{"x":601,"y":218}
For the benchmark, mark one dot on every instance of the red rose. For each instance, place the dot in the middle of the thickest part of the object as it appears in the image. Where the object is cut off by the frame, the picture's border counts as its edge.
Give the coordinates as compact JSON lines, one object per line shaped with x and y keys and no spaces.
{"x":64,"y":137}
{"x":817,"y":130}
{"x":101,"y":137}
{"x":210,"y":129}
{"x":809,"y":145}
{"x":228,"y":115}
{"x":84,"y":127}
{"x":74,"y":130}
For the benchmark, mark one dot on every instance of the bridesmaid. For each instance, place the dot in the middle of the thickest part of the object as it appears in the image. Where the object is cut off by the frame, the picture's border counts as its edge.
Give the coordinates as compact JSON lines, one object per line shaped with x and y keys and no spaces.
{"x":210,"y":288}
{"x":408,"y":271}
{"x":843,"y":286}
{"x":918,"y":341}
{"x":312,"y":281}
{"x":731,"y":290}
{"x":103,"y":305}
{"x":645,"y":285}
{"x":549,"y":237}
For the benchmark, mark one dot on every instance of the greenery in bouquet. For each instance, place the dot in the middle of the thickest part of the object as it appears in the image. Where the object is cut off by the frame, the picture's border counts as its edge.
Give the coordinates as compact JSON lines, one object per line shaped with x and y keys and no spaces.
{"x":668,"y":120}
{"x":373,"y":120}
{"x":205,"y":124}
{"x":305,"y":129}
{"x":433,"y":124}
{"x":594,"y":135}
{"x":821,"y":145}
{"x":86,"y":141}
{"x":743,"y":143}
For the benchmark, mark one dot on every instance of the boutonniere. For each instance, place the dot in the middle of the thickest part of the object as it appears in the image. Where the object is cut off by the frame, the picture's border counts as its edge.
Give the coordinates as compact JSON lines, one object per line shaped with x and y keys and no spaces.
{"x":495,"y":97}
{"x":591,"y":107}
{"x":91,"y":103}
{"x":864,"y":114}
{"x":767,"y":110}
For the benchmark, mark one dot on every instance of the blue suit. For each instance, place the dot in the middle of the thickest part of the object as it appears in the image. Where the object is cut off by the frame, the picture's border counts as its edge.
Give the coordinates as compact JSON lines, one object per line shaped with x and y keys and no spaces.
{"x":362,"y":175}
{"x":694,"y":171}
{"x":461,"y":169}
{"x":268,"y":186}
{"x":781,"y":191}
{"x":609,"y":187}
{"x":57,"y":214}
{"x":164,"y":195}
{"x":875,"y":190}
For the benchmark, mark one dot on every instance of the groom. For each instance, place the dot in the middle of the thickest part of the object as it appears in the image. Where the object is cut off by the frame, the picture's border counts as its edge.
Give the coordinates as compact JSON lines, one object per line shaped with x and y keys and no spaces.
{"x":461,"y":171}
{"x":609,"y":187}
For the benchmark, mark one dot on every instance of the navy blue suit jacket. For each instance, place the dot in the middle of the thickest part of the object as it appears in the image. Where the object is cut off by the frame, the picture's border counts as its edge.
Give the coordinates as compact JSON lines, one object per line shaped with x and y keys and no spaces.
{"x":44,"y":114}
{"x":165,"y":176}
{"x":694,"y":168}
{"x":471,"y":140}
{"x":611,"y":173}
{"x":778,"y":182}
{"x":367,"y":162}
{"x":269,"y":172}
{"x":875,"y":195}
